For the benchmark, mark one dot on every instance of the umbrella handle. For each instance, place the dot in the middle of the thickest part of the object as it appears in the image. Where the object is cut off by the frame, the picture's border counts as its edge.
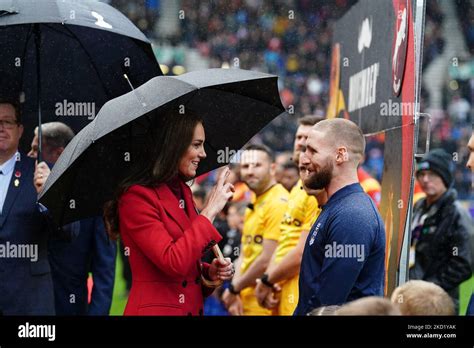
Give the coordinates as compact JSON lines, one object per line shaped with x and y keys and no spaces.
{"x":214,"y":283}
{"x":217,"y":251}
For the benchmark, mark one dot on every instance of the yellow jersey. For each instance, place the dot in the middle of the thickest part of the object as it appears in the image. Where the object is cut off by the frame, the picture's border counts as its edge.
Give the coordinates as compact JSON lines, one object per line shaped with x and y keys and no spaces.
{"x":301,"y":212}
{"x":262,"y":222}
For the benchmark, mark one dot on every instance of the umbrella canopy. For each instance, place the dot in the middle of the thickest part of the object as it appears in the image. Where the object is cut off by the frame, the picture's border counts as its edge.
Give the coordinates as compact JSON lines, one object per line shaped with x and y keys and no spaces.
{"x":72,"y":56}
{"x":234,"y":104}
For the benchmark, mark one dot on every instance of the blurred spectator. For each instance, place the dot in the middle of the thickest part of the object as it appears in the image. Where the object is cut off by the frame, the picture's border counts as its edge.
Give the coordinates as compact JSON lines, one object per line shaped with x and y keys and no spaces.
{"x":370,"y":185}
{"x":280,"y":161}
{"x":290,"y":175}
{"x":466,"y":15}
{"x":324,"y":310}
{"x":235,"y":221}
{"x":441,"y":228}
{"x":419,"y":297}
{"x":459,"y":109}
{"x":369,"y":306}
{"x":87,"y":247}
{"x":199,"y":196}
{"x":230,"y":246}
{"x":242,"y":192}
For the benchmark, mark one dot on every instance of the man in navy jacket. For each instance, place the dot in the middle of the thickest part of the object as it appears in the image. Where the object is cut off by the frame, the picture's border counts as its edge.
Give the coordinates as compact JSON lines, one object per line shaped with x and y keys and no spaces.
{"x":86,"y":247}
{"x":343,"y":258}
{"x":25,"y":278}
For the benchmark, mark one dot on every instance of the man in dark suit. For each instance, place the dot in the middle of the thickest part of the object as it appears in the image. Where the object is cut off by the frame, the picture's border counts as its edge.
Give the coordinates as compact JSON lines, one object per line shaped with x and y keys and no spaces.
{"x":86,"y":248}
{"x":25,"y":279}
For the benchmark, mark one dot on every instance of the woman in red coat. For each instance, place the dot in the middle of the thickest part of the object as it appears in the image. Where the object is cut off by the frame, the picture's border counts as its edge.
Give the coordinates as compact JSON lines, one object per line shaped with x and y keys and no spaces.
{"x":163,"y":233}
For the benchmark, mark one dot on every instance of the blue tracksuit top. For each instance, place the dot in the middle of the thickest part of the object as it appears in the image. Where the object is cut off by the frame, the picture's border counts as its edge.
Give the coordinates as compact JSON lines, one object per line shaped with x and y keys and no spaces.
{"x":344,"y":254}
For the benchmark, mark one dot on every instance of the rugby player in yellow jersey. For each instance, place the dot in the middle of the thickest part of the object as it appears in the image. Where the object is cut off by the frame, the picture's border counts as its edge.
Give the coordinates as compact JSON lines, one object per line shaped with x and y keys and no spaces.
{"x":261,"y":230}
{"x":301,"y":212}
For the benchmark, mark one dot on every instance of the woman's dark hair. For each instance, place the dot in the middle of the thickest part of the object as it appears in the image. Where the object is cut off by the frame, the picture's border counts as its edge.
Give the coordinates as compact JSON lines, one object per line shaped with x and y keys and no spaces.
{"x":166,"y":143}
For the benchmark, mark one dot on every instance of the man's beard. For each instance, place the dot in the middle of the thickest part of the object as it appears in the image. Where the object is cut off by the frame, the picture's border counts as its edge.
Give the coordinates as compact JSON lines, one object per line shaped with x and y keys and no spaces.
{"x":254,"y":186}
{"x":320,"y":179}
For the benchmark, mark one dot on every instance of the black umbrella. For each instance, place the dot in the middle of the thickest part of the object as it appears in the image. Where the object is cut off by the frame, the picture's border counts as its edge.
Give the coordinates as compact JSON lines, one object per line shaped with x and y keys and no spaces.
{"x":63,"y":59}
{"x":235,"y":104}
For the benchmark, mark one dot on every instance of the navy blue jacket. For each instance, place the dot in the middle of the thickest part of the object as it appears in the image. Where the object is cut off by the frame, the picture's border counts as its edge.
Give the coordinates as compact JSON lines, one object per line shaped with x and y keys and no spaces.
{"x":470,"y":306}
{"x":344,"y":255}
{"x":71,"y":261}
{"x":26,"y":287}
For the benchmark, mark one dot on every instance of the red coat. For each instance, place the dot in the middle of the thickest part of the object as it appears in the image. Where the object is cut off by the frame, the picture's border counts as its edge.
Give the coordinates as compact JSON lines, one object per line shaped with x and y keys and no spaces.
{"x":165,"y":248}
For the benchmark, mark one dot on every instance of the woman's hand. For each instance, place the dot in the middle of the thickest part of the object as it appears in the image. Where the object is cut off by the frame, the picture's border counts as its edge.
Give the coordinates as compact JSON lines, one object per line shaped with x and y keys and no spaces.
{"x":220,"y":194}
{"x":221,"y":269}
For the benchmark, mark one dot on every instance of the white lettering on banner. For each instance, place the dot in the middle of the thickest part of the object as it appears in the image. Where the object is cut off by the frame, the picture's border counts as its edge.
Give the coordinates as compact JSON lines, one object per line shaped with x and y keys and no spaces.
{"x":363,"y":87}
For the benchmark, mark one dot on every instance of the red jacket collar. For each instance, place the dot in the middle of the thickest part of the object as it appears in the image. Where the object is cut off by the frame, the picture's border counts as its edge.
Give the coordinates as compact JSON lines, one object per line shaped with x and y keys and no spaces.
{"x":171,"y":204}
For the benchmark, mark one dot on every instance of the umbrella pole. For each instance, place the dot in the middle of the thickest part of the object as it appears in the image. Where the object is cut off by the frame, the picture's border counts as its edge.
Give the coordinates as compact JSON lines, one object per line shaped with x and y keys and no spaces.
{"x":38,"y":75}
{"x":217,"y":251}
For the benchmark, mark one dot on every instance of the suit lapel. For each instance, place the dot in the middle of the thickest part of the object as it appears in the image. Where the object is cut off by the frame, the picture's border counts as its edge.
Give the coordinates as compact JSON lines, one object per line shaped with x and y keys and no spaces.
{"x":14,"y":190}
{"x":171,"y":205}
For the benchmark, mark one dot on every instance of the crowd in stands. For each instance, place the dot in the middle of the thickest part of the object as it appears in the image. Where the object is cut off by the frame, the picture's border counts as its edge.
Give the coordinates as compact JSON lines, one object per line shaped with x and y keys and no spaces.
{"x":292,"y":38}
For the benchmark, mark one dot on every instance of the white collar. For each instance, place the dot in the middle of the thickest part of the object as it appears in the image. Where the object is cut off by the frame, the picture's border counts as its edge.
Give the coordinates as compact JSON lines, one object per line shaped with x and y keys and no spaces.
{"x":9,"y":165}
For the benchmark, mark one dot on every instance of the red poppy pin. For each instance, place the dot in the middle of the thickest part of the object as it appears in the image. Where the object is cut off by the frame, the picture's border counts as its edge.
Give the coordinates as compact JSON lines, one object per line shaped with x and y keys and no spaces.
{"x":17,"y":174}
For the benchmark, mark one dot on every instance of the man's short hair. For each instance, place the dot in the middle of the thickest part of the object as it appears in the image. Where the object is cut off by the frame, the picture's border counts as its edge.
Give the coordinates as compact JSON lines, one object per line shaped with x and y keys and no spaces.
{"x":344,"y":133}
{"x":418,"y":297}
{"x":324,"y":310}
{"x":371,"y":305}
{"x":15,"y":105}
{"x":261,"y":147}
{"x":309,"y":120}
{"x":56,"y":134}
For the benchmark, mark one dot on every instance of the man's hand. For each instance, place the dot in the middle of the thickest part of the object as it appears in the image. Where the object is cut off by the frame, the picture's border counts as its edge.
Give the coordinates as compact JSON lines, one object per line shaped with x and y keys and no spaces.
{"x":41,"y":174}
{"x":261,"y":292}
{"x":229,"y":298}
{"x":271,"y":301}
{"x":236,"y":308}
{"x":267,"y":296}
